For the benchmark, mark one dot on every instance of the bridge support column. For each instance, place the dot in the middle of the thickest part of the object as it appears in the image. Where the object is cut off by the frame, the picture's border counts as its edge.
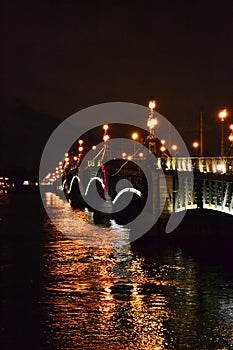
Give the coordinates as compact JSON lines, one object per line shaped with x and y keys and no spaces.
{"x":162,"y":195}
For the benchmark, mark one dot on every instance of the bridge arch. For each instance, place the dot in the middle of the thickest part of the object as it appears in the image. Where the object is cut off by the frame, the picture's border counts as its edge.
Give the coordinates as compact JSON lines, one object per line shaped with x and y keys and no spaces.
{"x":63,"y":184}
{"x":95,"y":178}
{"x":127,"y":189}
{"x":71,"y":182}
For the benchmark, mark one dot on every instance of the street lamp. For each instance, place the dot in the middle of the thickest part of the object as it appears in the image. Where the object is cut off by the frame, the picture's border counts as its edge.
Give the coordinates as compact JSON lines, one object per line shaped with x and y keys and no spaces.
{"x":195,"y":146}
{"x":80,"y":148}
{"x":105,"y":127}
{"x":174,"y":148}
{"x":106,"y":137}
{"x":151,"y":123}
{"x":230,"y":138}
{"x":152,"y":104}
{"x":134,"y":137}
{"x":222,"y":116}
{"x":162,"y":149}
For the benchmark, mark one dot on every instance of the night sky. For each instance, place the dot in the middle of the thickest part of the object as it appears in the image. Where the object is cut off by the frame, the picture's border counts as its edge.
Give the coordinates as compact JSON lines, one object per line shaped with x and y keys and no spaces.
{"x":58,"y":57}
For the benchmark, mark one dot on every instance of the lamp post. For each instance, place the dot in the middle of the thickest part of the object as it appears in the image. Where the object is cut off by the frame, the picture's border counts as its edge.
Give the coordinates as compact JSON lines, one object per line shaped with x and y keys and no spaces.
{"x":106,"y":137}
{"x":66,"y":160}
{"x":174,"y":148}
{"x":222,"y":116}
{"x":230,"y":138}
{"x":162,"y":149}
{"x":134,"y":137}
{"x":151,"y":123}
{"x":80,"y":148}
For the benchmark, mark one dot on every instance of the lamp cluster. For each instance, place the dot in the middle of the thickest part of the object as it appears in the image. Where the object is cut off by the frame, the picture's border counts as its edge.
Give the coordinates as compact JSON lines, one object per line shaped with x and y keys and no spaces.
{"x":71,"y":161}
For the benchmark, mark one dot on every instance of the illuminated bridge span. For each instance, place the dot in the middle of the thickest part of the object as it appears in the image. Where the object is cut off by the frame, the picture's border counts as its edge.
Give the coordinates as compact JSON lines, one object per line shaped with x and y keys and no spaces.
{"x":216,"y":165}
{"x":211,"y":187}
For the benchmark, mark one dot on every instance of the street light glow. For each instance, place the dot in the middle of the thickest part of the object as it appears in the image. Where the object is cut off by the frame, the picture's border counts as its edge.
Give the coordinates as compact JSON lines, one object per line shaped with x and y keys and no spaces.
{"x":222,"y":114}
{"x":105,"y":127}
{"x":195,"y":144}
{"x":174,"y":147}
{"x":230,"y":137}
{"x":106,"y":137}
{"x":152,"y":104}
{"x":152,"y":122}
{"x":134,"y":136}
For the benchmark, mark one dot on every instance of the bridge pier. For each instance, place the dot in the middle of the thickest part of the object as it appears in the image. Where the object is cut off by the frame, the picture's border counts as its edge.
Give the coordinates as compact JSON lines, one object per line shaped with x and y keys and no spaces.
{"x":162,"y":195}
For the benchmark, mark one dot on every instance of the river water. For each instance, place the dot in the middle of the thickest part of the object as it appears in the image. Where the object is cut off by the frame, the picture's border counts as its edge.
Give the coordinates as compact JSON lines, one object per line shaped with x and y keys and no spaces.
{"x":57,"y":293}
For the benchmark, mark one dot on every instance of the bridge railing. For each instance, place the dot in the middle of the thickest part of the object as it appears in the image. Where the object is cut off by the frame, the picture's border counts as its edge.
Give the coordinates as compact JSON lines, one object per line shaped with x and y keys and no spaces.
{"x":220,"y":165}
{"x":216,"y":165}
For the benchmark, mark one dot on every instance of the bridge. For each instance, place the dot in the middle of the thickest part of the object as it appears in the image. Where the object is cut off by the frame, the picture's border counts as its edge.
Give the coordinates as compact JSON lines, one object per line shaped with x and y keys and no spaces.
{"x":111,"y":179}
{"x":178,"y":183}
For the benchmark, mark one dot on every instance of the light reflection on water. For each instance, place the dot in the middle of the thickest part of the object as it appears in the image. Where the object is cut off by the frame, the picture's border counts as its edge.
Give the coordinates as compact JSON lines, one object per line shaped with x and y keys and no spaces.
{"x":112,"y":298}
{"x":78,"y":225}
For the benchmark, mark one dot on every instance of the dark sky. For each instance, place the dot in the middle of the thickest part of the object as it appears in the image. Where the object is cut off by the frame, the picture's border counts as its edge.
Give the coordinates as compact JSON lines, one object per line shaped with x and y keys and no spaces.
{"x":58,"y":57}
